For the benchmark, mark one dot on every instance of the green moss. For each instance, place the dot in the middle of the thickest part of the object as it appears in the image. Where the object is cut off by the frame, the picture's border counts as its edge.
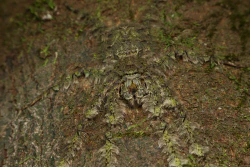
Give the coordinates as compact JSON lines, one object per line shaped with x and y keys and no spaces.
{"x":61,"y":164}
{"x":51,"y":4}
{"x":166,"y":39}
{"x":189,"y":42}
{"x":26,"y":159}
{"x":45,"y":62}
{"x":39,"y":7}
{"x":133,"y":134}
{"x":136,"y":125}
{"x":99,"y":13}
{"x":45,"y":52}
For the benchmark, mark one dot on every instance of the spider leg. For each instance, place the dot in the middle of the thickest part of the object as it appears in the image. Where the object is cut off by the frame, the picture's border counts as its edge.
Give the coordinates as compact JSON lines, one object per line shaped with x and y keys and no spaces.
{"x":107,"y":153}
{"x":102,"y":91}
{"x":114,"y":108}
{"x":176,"y":137}
{"x":158,"y":97}
{"x":178,"y":133}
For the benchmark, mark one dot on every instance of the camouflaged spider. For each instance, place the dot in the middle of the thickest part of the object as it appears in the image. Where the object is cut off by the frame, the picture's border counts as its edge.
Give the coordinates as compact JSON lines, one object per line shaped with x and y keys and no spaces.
{"x":133,"y":78}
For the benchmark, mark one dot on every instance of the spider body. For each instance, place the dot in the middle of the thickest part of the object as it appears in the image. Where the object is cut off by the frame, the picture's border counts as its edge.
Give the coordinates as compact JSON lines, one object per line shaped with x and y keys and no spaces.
{"x":134,"y":80}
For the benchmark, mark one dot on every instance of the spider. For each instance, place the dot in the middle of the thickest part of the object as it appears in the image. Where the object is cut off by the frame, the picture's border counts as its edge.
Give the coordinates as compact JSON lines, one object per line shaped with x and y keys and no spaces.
{"x":132,"y":79}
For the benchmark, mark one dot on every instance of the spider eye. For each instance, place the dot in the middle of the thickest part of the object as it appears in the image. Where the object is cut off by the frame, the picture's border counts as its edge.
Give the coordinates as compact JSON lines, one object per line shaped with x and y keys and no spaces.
{"x":128,"y":83}
{"x":140,"y":93}
{"x":133,"y":87}
{"x":127,"y":96}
